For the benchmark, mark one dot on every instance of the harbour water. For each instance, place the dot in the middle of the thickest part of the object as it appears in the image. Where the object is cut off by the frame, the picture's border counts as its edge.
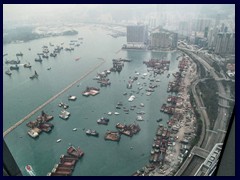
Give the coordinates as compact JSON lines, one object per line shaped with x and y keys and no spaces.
{"x":22,"y":95}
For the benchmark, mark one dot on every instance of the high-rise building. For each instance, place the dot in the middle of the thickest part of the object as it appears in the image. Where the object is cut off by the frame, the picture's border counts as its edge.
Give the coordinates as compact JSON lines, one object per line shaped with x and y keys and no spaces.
{"x":210,"y":38}
{"x":218,"y":43}
{"x":225,"y":43}
{"x":232,"y":44}
{"x":200,"y":24}
{"x":174,"y":40}
{"x":162,"y":39}
{"x":137,"y":34}
{"x":206,"y":32}
{"x":183,"y":28}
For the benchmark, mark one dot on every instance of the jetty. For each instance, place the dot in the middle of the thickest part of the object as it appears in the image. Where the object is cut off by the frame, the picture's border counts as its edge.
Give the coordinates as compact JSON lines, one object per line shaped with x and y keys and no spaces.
{"x":52,"y":98}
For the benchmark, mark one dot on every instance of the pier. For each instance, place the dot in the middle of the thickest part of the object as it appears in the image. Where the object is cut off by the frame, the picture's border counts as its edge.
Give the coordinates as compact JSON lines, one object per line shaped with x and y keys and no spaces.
{"x":52,"y":98}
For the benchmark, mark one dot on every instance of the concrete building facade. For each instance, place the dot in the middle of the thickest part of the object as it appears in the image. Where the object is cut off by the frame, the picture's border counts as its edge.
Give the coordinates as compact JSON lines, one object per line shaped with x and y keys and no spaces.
{"x":137,"y":34}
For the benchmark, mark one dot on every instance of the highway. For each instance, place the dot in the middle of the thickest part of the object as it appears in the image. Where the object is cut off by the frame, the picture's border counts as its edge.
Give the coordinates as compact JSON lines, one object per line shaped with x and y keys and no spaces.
{"x":208,"y":138}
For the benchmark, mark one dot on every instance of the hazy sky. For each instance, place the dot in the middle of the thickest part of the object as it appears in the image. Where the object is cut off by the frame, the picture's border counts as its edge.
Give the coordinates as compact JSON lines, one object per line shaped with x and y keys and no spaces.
{"x":43,"y":13}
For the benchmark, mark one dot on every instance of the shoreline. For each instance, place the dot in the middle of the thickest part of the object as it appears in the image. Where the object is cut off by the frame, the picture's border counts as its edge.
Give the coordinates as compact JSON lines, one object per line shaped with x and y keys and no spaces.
{"x":172,"y":155}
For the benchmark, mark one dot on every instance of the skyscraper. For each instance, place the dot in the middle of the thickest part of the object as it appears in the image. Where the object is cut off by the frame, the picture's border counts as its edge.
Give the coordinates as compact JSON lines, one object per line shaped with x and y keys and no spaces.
{"x":137,"y":34}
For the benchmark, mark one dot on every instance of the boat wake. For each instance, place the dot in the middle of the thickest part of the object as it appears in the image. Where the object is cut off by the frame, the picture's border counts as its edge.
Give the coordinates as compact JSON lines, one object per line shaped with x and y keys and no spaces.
{"x":32,"y":173}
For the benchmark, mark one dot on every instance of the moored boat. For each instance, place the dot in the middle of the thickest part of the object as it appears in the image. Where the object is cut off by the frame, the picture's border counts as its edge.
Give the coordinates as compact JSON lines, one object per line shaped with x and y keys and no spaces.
{"x":16,"y":67}
{"x":8,"y":73}
{"x":92,"y":132}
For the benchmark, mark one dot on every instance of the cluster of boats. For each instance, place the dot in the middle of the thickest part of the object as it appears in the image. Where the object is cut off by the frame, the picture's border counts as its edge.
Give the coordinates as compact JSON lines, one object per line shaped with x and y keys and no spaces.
{"x":67,"y":162}
{"x":40,"y":124}
{"x":160,"y":145}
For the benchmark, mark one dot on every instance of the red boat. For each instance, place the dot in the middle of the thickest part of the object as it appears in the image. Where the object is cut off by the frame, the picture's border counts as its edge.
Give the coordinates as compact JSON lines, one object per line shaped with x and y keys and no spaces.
{"x":75,"y":152}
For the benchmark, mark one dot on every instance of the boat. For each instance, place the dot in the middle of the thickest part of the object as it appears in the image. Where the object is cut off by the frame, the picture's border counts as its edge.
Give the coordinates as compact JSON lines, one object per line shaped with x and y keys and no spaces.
{"x":45,"y":56}
{"x":30,"y":170}
{"x":75,"y":152}
{"x":53,"y":54}
{"x":8,"y":73}
{"x":103,"y":121}
{"x":27,"y":65}
{"x":16,"y":67}
{"x":32,"y":133}
{"x":77,"y":59}
{"x":116,"y":113}
{"x":59,"y":140}
{"x":112,"y":136}
{"x":92,"y":132}
{"x":19,"y":54}
{"x":61,"y":104}
{"x":131,"y":98}
{"x":139,"y":118}
{"x":159,"y":120}
{"x":109,"y":113}
{"x":64,"y":114}
{"x":49,"y":68}
{"x":12,"y":61}
{"x":34,"y":76}
{"x":38,"y":59}
{"x":141,"y":104}
{"x":74,"y":129}
{"x":72,"y":98}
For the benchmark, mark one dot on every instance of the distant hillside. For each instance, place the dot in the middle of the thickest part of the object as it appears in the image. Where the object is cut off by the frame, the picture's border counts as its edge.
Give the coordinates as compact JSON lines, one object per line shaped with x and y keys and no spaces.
{"x":24,"y":34}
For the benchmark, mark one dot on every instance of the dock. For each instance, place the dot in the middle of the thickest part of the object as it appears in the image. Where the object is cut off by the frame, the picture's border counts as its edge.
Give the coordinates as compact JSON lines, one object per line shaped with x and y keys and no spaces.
{"x":52,"y":98}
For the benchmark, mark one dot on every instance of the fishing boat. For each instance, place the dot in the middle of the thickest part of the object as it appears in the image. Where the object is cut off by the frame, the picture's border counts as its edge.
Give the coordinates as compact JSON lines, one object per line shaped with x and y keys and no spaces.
{"x":38,"y":59}
{"x":34,"y":76}
{"x":8,"y":73}
{"x":27,"y":65}
{"x":16,"y":67}
{"x":92,"y":133}
{"x":19,"y":54}
{"x":12,"y":61}
{"x":103,"y":121}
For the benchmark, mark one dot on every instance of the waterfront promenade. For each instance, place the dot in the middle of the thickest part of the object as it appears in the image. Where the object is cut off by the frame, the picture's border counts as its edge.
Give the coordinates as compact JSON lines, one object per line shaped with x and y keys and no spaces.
{"x":52,"y":98}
